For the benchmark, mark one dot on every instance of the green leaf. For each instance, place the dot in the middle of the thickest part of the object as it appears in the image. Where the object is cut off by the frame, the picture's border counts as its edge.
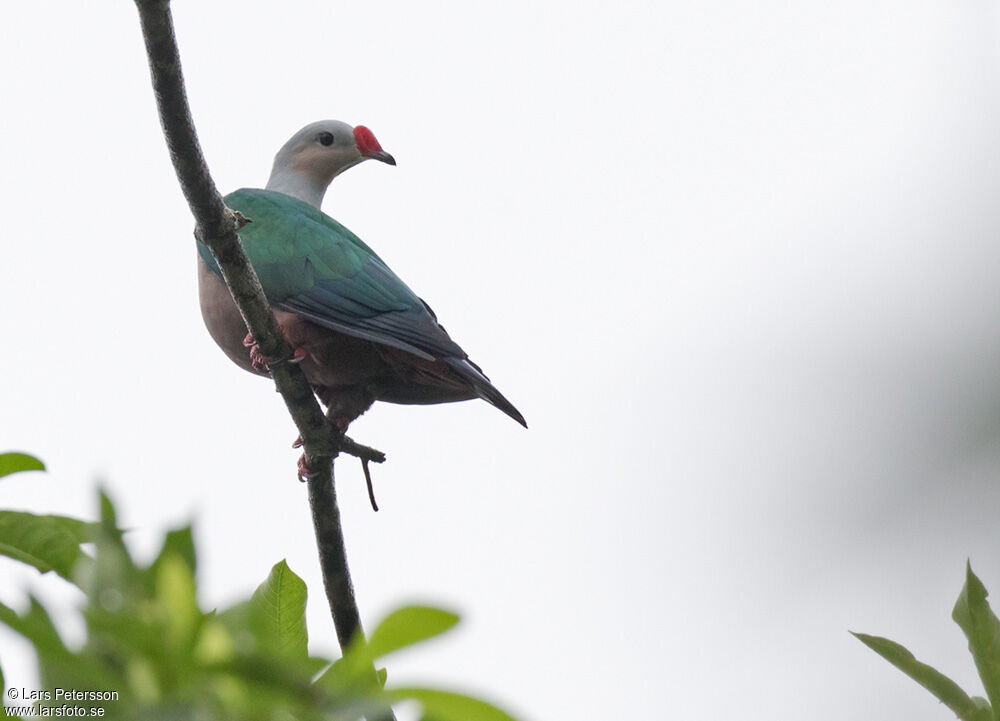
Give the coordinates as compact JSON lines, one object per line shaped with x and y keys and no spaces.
{"x":278,"y":613}
{"x":944,"y":689}
{"x":407,"y":626}
{"x":16,"y":462}
{"x":177,"y":544}
{"x":49,"y":543}
{"x":3,"y":695}
{"x":122,"y":631}
{"x":236,"y":621}
{"x":112,"y":579}
{"x":82,"y":531}
{"x":448,"y":706}
{"x":181,"y":543}
{"x":985,"y":711}
{"x":973,"y":614}
{"x":401,"y":628}
{"x":58,"y":666}
{"x":175,"y":592}
{"x":37,"y":627}
{"x":109,"y":518}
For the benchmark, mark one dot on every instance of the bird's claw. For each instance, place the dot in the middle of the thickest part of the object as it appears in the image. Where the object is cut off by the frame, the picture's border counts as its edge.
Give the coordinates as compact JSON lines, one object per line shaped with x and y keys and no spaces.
{"x":262,"y":363}
{"x":342,"y":442}
{"x":258,"y":361}
{"x":303,"y":469}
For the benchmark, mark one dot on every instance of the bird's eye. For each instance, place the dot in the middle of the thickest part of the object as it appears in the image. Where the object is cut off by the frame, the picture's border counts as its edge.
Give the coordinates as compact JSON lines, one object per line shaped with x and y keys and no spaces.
{"x":326,"y":138}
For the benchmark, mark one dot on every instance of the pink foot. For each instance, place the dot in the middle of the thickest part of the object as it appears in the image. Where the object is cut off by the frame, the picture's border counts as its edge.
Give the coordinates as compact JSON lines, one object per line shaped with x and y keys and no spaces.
{"x":339,"y":424}
{"x":304,"y":470}
{"x":260,"y":362}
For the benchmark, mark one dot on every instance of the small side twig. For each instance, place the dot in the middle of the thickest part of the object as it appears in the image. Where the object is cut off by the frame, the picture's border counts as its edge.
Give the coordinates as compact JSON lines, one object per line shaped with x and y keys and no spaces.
{"x":365,"y":453}
{"x":344,"y":444}
{"x":368,"y":482}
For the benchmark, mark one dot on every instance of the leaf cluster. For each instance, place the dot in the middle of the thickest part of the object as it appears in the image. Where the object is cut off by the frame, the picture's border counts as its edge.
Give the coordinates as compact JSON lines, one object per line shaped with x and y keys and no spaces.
{"x":974,"y":616}
{"x":149,"y":640}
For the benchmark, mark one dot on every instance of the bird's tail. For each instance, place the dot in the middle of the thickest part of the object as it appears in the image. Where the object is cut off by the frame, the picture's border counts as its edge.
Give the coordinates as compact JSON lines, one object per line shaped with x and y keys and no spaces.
{"x":471,"y":372}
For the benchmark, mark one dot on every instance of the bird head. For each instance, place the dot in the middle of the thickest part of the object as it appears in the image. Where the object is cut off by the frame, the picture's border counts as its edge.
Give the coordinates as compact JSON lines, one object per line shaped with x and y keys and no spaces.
{"x":318,"y":153}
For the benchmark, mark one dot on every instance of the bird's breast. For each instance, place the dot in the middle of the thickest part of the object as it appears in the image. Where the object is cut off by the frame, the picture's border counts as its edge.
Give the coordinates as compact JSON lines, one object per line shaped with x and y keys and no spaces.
{"x":222,"y":317}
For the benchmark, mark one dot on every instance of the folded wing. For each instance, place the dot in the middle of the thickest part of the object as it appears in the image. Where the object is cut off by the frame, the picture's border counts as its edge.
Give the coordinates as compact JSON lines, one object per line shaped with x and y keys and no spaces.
{"x":311,"y":265}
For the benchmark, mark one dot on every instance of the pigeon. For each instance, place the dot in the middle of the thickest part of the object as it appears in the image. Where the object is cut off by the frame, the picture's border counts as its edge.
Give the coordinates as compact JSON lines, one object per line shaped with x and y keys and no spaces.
{"x":358,"y":332}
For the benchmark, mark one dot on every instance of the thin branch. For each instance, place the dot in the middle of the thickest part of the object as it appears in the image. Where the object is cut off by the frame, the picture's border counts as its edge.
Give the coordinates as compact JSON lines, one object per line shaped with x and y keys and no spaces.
{"x":346,"y":444}
{"x":217,"y":226}
{"x":365,"y":453}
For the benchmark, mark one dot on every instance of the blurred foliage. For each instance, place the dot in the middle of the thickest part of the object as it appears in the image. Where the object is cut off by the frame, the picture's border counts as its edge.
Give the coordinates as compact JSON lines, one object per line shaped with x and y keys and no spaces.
{"x":974,"y":616}
{"x":149,"y":641}
{"x":14,"y":462}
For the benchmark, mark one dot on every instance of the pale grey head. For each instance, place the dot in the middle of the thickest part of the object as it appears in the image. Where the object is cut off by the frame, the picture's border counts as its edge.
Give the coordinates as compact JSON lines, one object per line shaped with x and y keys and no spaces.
{"x":317,"y":154}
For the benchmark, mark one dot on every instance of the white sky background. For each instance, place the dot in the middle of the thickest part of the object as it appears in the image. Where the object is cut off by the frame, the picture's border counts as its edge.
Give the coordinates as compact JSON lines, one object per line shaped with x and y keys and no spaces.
{"x":737,"y":264}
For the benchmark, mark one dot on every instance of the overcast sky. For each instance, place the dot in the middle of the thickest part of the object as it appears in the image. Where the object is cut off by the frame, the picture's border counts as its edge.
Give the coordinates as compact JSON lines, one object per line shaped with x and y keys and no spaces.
{"x":735,"y":262}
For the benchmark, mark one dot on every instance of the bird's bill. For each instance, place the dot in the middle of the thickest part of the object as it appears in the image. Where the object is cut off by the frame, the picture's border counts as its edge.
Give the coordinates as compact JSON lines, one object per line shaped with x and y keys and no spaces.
{"x":381,"y":155}
{"x":369,"y":147}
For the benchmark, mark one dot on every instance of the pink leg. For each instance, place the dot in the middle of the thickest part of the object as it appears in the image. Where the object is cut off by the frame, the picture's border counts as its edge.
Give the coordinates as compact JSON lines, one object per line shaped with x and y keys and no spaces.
{"x":261,"y":362}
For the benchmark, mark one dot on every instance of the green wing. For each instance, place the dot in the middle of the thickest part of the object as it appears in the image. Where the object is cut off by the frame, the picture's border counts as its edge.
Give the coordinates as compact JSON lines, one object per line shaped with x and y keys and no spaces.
{"x":311,"y":265}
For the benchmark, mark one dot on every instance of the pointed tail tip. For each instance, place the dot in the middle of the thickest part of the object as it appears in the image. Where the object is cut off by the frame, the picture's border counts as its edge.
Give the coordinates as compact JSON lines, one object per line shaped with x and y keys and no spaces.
{"x":520,"y":419}
{"x":508,"y":408}
{"x":495,"y":398}
{"x":486,"y":390}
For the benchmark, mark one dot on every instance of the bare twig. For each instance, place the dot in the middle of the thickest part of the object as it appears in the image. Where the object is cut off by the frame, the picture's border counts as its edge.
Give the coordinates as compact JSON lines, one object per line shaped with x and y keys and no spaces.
{"x":365,"y":453}
{"x":346,"y":444}
{"x":217,"y":226}
{"x":368,"y":482}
